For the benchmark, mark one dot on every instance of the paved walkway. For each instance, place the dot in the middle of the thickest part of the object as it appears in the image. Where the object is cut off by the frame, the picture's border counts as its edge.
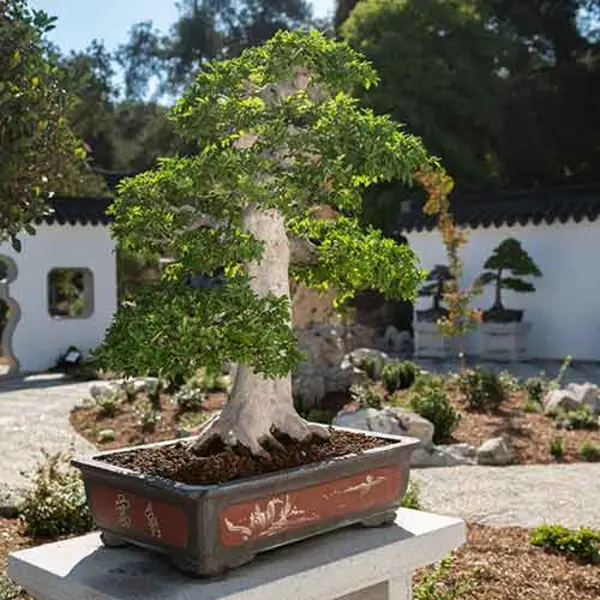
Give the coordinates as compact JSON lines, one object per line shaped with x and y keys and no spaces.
{"x":577,"y":372}
{"x":522,"y":495}
{"x":34,"y":414}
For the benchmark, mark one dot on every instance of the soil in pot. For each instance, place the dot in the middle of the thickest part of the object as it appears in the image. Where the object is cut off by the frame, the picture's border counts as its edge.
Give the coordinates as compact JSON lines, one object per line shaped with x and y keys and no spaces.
{"x":218,"y":464}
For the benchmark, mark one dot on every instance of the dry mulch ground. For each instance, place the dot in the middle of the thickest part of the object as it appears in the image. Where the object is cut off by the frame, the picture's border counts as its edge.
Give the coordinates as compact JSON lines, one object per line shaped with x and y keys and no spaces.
{"x":499,"y":562}
{"x":530,"y":434}
{"x":126,"y":426}
{"x":503,"y":566}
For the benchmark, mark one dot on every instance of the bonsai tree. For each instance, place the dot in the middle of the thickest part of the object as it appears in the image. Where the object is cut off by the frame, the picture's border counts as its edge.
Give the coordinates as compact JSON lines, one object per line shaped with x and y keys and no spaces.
{"x":434,"y":287}
{"x":508,"y":256}
{"x":284,"y":153}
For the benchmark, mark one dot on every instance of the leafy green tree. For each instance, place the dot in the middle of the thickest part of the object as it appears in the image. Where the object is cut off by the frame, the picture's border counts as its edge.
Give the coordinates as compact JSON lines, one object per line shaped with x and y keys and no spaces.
{"x":508,"y":256}
{"x":280,"y":137}
{"x":39,"y":152}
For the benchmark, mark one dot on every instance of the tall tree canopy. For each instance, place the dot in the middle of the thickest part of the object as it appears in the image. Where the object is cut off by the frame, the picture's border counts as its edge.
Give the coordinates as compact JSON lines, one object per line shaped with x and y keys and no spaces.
{"x":205,"y":30}
{"x":439,"y":63}
{"x":503,"y":90}
{"x":39,"y":152}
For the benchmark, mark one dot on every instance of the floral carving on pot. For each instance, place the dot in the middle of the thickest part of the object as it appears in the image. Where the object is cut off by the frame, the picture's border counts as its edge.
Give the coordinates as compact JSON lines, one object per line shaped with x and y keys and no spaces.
{"x":278,"y":515}
{"x":266,"y":517}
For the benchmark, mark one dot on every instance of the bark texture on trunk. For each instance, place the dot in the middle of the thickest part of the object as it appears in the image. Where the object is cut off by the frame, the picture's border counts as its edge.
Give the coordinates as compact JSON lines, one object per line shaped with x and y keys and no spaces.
{"x":259,"y":406}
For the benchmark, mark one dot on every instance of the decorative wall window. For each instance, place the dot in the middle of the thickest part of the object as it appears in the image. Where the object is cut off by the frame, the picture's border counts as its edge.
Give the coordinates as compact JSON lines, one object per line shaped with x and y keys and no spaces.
{"x":70,"y":293}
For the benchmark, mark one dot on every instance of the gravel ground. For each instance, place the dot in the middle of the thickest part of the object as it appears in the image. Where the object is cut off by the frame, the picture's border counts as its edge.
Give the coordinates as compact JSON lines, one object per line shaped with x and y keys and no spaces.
{"x":34,"y":414}
{"x":526,"y":496}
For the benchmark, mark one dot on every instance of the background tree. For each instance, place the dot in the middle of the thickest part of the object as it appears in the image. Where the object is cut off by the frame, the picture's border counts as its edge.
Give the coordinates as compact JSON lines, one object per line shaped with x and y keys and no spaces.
{"x":205,"y":30}
{"x":439,"y":64}
{"x":280,"y":135}
{"x":39,"y":152}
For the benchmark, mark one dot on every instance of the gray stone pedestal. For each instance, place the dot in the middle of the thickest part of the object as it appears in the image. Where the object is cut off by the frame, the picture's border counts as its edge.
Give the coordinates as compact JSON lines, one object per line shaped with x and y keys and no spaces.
{"x":350,"y":564}
{"x":430,"y":343}
{"x":504,"y":341}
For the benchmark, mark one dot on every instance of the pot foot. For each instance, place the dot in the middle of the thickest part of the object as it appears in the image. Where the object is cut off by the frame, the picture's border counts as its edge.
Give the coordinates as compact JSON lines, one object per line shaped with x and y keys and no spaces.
{"x":214,"y":570}
{"x":379,"y":519}
{"x":112,"y":541}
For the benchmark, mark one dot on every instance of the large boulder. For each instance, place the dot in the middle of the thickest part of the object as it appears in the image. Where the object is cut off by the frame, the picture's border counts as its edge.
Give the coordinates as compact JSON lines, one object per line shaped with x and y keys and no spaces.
{"x":586,"y":394}
{"x":452,"y":455}
{"x":414,"y":425}
{"x":366,"y":359}
{"x":557,"y":401}
{"x":391,"y":420}
{"x":494,"y":452}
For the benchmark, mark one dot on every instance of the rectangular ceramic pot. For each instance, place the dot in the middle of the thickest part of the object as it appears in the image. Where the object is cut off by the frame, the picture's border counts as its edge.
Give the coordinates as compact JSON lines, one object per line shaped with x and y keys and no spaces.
{"x":208,"y":529}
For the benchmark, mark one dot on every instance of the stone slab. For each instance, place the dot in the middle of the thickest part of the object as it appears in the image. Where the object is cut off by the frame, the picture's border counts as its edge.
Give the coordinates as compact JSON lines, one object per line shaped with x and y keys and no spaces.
{"x":353,"y":563}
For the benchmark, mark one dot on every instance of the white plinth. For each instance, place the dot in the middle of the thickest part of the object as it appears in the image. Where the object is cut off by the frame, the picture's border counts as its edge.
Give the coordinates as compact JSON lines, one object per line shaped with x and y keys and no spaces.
{"x":430,"y":343}
{"x":350,"y":564}
{"x":504,"y":341}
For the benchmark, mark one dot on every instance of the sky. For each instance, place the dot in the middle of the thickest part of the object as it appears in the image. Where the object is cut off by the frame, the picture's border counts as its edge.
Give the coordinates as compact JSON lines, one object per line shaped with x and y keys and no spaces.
{"x":81,"y":21}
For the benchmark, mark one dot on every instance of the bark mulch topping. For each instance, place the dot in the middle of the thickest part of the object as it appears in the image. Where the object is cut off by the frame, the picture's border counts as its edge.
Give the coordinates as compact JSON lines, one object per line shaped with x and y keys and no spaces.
{"x":502,"y":565}
{"x":218,"y":464}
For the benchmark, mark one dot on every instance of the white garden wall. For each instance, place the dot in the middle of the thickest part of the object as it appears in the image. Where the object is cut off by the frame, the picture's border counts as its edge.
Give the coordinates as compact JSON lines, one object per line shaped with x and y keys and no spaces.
{"x":565,"y":309}
{"x":39,"y":338}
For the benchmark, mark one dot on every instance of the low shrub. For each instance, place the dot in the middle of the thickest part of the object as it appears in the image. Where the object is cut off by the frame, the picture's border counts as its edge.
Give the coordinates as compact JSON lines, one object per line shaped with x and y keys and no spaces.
{"x":510,"y":383}
{"x":399,"y":375}
{"x":367,"y":396}
{"x":532,"y":407}
{"x":190,"y":399}
{"x":316,"y":415}
{"x":147,"y":417}
{"x":412,"y":497}
{"x":153,"y":392}
{"x":10,"y":590}
{"x":589,"y":451}
{"x":483,"y":389}
{"x":430,"y":400}
{"x":536,"y":388}
{"x":438,"y":584}
{"x":582,"y":418}
{"x":556,"y":449}
{"x":107,"y":405}
{"x":56,"y":503}
{"x":129,"y":389}
{"x":582,"y":543}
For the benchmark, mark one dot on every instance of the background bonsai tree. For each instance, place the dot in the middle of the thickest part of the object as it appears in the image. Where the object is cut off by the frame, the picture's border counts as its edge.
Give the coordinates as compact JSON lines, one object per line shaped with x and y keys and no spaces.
{"x":434,"y":287}
{"x":284,"y":153}
{"x":508,"y":256}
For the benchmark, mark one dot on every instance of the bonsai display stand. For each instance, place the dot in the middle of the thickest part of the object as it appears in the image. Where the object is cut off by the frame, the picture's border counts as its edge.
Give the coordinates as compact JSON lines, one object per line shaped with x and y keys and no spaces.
{"x":504,"y":341}
{"x":350,"y":564}
{"x":430,"y":343}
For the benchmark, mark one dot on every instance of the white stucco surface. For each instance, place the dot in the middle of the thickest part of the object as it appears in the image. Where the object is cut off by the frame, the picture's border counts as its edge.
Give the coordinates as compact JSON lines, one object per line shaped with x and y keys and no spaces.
{"x":565,"y":310}
{"x":39,"y":338}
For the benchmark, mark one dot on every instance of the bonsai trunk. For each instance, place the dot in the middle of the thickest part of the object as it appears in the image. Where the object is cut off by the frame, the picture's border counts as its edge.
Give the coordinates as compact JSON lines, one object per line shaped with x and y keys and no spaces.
{"x":498,"y":298}
{"x":259,"y":407}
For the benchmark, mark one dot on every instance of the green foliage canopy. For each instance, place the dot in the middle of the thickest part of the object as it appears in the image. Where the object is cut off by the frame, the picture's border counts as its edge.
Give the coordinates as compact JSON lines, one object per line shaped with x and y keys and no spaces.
{"x":300,"y":150}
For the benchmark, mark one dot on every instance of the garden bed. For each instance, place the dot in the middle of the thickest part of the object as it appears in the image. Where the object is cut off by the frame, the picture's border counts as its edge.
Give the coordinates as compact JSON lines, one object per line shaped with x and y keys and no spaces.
{"x":530,"y":434}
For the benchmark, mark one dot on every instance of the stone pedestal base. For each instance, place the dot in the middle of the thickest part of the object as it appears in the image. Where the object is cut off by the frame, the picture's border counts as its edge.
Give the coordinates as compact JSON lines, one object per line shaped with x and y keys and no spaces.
{"x":351,"y":564}
{"x":430,"y":343}
{"x":504,"y":341}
